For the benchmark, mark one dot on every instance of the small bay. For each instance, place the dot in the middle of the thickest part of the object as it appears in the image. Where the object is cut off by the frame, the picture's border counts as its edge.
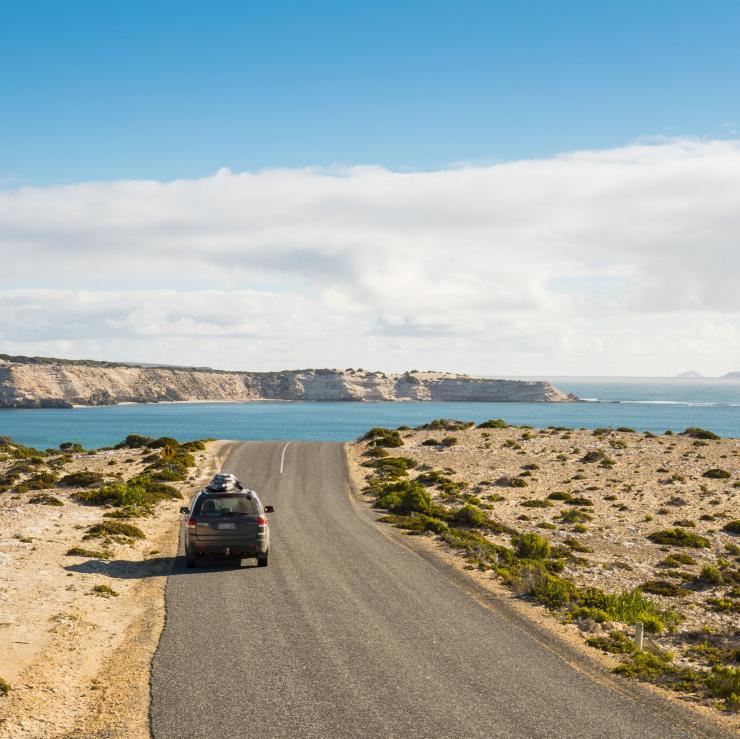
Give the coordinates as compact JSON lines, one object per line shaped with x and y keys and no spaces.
{"x":645,"y":405}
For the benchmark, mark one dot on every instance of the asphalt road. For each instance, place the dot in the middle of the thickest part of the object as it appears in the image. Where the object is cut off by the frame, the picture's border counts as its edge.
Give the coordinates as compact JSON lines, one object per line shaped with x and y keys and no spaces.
{"x":350,"y":633}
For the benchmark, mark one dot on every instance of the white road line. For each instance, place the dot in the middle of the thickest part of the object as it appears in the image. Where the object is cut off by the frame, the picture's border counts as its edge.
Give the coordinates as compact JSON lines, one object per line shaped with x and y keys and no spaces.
{"x":282,"y":456}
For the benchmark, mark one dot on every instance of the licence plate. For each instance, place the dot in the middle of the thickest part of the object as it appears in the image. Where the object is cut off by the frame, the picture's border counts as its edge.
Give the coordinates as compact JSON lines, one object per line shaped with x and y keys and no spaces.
{"x":227,"y":526}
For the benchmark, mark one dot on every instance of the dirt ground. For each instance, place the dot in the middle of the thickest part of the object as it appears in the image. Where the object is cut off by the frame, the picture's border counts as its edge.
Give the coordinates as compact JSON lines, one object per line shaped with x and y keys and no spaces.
{"x":78,"y":661}
{"x":629,"y":486}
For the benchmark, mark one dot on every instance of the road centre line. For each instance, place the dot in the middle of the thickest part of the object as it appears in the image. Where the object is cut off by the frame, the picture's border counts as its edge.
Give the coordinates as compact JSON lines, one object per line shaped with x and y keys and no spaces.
{"x":282,"y":457}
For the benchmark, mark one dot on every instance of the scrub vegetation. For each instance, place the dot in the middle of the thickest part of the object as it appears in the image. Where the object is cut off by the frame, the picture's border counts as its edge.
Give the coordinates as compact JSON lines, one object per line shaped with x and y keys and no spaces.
{"x":612,"y":487}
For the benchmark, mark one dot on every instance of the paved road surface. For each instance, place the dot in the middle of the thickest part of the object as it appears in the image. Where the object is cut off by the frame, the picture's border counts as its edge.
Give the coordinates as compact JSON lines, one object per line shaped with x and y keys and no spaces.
{"x":348,"y":633}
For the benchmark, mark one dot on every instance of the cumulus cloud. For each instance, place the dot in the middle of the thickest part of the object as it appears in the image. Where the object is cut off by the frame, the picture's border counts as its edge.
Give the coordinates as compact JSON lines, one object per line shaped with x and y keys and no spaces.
{"x":620,"y":260}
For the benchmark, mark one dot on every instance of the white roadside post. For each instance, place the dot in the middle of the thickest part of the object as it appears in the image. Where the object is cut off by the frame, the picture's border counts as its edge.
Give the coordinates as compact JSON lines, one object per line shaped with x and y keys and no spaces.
{"x":638,"y":635}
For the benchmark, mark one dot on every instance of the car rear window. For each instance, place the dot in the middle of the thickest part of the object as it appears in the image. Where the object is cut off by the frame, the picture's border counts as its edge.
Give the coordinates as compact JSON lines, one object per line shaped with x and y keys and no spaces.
{"x":213,"y":506}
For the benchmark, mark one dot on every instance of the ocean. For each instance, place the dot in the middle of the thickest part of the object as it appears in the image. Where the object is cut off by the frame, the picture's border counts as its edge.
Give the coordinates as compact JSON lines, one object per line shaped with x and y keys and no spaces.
{"x":643,"y":404}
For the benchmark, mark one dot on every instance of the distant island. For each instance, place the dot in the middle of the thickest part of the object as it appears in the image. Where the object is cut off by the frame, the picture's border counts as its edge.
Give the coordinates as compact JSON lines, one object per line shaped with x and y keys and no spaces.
{"x":693,"y":375}
{"x":47,"y":382}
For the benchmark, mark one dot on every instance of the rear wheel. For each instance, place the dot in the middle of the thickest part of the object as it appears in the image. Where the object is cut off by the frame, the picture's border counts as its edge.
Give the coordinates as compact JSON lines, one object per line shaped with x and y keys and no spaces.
{"x":262,"y":560}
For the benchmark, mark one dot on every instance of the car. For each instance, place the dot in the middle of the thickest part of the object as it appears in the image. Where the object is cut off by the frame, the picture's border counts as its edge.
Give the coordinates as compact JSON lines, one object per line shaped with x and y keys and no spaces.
{"x":228,"y":521}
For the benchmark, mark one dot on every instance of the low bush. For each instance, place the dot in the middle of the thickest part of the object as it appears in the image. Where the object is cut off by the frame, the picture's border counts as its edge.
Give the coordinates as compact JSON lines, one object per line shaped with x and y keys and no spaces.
{"x":679,"y":538}
{"x":90,"y":553}
{"x":383,"y":437}
{"x":494,"y":423}
{"x":724,"y":682}
{"x":536,"y":503}
{"x":616,"y":643}
{"x":717,"y":474}
{"x":445,"y":424}
{"x":594,"y":456}
{"x":105,"y":591}
{"x":470,"y":515}
{"x":115,"y":530}
{"x":41,"y":481}
{"x":531,"y":546}
{"x":695,"y":432}
{"x":575,"y":515}
{"x":733,"y":527}
{"x":139,"y":491}
{"x":71,"y":447}
{"x":559,"y":495}
{"x":45,"y":499}
{"x":4,"y":687}
{"x":512,"y":482}
{"x":661,"y":587}
{"x":82,"y":479}
{"x":449,"y":441}
{"x":134,"y":441}
{"x":676,"y":559}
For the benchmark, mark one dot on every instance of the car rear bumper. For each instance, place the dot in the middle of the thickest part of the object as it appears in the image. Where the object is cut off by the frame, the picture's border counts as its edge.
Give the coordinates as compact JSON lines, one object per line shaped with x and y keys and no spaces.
{"x":225,"y":547}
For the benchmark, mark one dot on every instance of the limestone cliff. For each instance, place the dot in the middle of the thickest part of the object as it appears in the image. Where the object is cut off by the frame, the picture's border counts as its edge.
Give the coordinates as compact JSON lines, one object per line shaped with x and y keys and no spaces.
{"x":45,"y":383}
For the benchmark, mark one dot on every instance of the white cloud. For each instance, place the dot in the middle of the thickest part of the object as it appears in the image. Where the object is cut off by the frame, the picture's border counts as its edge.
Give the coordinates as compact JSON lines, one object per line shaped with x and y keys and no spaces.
{"x":617,"y":261}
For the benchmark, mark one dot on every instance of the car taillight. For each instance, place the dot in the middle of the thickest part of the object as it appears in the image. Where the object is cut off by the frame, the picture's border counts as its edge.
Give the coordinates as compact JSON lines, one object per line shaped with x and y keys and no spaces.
{"x":191,"y":523}
{"x":261,"y":521}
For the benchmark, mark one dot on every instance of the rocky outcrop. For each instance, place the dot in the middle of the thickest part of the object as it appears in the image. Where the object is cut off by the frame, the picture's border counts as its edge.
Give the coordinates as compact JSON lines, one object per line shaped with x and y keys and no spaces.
{"x":34,"y":383}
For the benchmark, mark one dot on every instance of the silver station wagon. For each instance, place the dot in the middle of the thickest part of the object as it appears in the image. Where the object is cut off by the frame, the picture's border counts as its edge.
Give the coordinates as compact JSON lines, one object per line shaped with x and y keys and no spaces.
{"x":226,"y":519}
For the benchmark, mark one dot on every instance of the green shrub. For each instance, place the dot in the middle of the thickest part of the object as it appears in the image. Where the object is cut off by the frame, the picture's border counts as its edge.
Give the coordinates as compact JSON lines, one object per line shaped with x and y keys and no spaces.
{"x":628,"y":606}
{"x":90,"y":553}
{"x":470,"y":515}
{"x":679,"y":538}
{"x":616,"y":643}
{"x":4,"y":687}
{"x":575,"y":515}
{"x":717,"y":474}
{"x":512,"y":482}
{"x":45,"y":499}
{"x":82,"y":479}
{"x":104,"y":591}
{"x":475,"y":546}
{"x":115,"y":530}
{"x":536,"y":503}
{"x":676,"y":559}
{"x":493,"y":423}
{"x":580,"y":501}
{"x":531,"y":546}
{"x":383,"y":437}
{"x":139,"y":491}
{"x":710,"y":575}
{"x":724,"y":682}
{"x":134,"y":441}
{"x":445,"y":424}
{"x":696,"y":433}
{"x":733,"y":527}
{"x":71,"y":447}
{"x":643,"y":665}
{"x":661,"y":587}
{"x":594,"y":456}
{"x":558,"y":495}
{"x":449,"y":441}
{"x":41,"y":481}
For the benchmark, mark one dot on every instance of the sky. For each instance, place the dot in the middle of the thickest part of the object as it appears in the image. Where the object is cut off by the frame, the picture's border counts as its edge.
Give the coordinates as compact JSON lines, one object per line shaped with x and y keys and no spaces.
{"x":489,"y":187}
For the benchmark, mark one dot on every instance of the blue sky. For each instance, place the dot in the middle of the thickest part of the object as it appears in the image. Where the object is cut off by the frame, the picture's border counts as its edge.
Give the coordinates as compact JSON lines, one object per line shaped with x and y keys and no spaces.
{"x":158,"y":89}
{"x":521,"y":188}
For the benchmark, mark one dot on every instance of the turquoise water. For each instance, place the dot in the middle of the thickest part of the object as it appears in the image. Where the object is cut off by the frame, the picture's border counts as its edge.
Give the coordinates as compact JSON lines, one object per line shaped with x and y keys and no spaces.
{"x":645,"y":405}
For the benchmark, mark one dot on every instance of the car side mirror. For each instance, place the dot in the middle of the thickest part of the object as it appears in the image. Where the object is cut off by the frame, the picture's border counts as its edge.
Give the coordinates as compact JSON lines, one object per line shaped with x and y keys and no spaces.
{"x":184,"y":509}
{"x":269,"y":509}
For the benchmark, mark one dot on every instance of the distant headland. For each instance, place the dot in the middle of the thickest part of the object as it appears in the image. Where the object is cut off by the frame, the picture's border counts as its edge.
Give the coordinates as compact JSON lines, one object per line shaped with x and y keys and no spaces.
{"x":47,"y":382}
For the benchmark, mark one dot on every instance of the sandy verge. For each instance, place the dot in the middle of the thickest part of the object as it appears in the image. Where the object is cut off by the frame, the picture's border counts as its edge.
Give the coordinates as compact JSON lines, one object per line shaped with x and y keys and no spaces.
{"x":652,"y":483}
{"x":77,"y":662}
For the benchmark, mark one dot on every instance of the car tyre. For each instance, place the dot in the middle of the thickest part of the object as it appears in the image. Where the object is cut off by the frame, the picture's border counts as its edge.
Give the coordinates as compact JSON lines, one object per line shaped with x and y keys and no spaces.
{"x":262,"y":560}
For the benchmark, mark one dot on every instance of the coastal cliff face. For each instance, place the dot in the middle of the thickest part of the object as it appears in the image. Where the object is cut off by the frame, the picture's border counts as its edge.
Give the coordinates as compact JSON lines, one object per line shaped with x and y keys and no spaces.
{"x":51,"y":384}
